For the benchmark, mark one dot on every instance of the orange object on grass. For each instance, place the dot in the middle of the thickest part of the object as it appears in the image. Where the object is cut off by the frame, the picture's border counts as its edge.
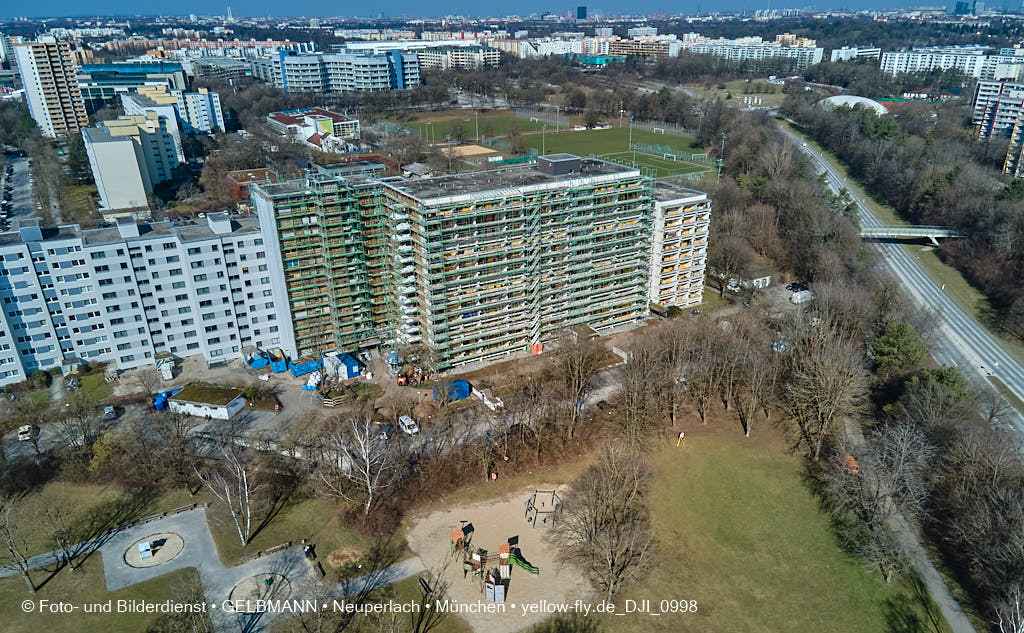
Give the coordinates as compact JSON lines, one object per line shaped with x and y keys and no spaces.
{"x":852,"y":467}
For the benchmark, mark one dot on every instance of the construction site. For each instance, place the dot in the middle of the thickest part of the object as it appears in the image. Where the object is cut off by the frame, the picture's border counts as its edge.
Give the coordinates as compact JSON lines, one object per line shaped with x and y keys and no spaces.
{"x":480,"y":265}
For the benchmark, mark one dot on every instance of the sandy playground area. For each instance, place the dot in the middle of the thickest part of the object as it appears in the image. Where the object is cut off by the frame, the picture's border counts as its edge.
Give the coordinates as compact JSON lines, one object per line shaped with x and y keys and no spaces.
{"x":496,"y":521}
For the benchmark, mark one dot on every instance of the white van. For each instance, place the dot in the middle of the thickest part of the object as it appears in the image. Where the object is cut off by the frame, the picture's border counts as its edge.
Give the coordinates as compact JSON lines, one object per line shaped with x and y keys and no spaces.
{"x":408,"y":425}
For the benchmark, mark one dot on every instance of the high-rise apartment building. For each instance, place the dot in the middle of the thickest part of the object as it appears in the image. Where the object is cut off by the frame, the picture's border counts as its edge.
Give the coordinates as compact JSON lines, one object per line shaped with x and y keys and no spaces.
{"x":127,"y":293}
{"x":330,"y":270}
{"x":50,"y":79}
{"x":474,"y":266}
{"x":679,"y":244}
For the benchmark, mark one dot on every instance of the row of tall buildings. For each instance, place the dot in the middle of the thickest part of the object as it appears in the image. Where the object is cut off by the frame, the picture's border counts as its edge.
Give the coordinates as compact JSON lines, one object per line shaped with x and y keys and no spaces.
{"x":974,"y":61}
{"x":645,"y":43}
{"x":473,"y":266}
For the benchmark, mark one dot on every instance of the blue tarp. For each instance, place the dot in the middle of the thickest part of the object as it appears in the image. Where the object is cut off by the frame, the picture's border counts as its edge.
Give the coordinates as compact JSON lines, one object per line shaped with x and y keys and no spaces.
{"x":457,"y":390}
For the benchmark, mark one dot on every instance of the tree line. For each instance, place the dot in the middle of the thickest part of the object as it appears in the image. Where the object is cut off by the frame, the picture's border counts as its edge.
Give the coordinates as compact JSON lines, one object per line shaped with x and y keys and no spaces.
{"x":928,"y":165}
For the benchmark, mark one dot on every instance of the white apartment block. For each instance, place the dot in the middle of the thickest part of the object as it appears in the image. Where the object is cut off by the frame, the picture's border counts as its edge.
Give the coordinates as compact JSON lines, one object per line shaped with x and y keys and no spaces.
{"x":461,"y":58}
{"x":160,"y":103}
{"x":50,"y":78}
{"x":972,"y":61}
{"x":152,"y":159}
{"x":804,"y":56}
{"x":339,"y":72}
{"x":200,"y":112}
{"x":192,"y":112}
{"x":679,"y":244}
{"x":849,"y":53}
{"x":123,"y":295}
{"x":998,"y":106}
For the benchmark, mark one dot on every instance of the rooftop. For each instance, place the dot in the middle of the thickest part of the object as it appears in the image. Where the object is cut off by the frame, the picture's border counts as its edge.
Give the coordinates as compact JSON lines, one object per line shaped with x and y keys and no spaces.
{"x":205,"y":393}
{"x":663,"y":192}
{"x":508,"y":181}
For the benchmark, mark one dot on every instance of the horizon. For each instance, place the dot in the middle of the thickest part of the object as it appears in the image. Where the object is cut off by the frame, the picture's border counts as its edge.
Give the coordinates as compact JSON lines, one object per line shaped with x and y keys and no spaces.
{"x":466,"y":10}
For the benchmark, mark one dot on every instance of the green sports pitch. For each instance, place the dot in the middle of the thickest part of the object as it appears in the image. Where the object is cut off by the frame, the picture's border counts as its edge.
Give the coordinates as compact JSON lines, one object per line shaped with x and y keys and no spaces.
{"x":658,"y":166}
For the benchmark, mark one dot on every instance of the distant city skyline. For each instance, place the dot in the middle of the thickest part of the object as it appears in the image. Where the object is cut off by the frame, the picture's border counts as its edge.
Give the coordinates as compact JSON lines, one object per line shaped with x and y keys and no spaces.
{"x":409,"y":8}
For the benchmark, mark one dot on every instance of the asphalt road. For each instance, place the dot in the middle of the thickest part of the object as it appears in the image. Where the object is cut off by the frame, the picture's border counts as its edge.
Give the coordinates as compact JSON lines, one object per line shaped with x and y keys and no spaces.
{"x":961,"y":341}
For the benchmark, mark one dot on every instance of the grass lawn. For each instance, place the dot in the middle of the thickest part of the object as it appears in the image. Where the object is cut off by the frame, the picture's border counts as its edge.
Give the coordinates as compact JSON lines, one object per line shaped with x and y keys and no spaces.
{"x":94,"y":510}
{"x":739,"y":532}
{"x":84,"y":585}
{"x":408,"y":590}
{"x":492,"y":123}
{"x":80,"y":205}
{"x":319,"y":520}
{"x":41,"y":398}
{"x":95,"y":387}
{"x":1009,"y":395}
{"x":956,"y":287}
{"x":770,"y":95}
{"x":711,"y":301}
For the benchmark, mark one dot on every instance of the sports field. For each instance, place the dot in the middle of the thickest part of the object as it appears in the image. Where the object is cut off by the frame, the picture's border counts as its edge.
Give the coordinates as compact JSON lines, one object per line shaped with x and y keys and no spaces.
{"x":613,"y":144}
{"x":438,"y":125}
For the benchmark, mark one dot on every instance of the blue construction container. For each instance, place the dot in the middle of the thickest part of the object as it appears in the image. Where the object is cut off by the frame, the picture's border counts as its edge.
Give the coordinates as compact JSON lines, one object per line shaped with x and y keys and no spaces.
{"x":278,"y":361}
{"x":350,"y":365}
{"x":259,"y":360}
{"x":305,"y":366}
{"x":457,"y":390}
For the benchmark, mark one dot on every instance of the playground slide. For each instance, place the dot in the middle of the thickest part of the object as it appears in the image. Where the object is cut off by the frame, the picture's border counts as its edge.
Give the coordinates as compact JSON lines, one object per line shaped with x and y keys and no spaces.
{"x":519,"y":562}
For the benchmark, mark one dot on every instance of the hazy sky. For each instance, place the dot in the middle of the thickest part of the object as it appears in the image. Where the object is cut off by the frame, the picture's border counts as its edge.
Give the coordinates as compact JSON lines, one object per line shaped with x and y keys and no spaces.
{"x":51,"y":8}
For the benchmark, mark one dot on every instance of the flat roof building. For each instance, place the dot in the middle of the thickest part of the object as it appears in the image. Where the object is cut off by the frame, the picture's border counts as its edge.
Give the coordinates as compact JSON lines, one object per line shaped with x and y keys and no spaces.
{"x":126,"y":293}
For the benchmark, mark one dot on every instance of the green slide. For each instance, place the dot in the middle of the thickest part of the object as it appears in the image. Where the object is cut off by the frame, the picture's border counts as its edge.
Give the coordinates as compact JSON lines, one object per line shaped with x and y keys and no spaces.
{"x":519,"y":562}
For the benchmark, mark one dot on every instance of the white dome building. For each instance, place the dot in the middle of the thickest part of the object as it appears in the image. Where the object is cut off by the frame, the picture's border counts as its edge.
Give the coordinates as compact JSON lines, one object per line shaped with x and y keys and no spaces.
{"x":851,"y":101}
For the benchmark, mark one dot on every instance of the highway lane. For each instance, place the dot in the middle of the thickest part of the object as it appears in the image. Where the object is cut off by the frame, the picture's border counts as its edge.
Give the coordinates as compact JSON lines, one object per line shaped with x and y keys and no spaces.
{"x":961,"y":341}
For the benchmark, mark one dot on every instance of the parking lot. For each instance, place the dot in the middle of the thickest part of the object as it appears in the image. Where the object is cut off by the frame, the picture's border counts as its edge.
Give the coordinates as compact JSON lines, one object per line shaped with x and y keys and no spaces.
{"x":17,"y":188}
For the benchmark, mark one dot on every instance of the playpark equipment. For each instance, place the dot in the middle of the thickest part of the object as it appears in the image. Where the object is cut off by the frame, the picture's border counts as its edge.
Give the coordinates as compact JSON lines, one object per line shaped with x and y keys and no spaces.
{"x":519,"y":562}
{"x":543,"y":507}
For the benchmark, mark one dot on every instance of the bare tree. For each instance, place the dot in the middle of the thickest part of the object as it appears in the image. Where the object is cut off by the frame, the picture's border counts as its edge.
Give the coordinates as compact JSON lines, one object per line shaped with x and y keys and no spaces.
{"x":1009,"y":611}
{"x":577,"y":360}
{"x":55,"y":517}
{"x":148,"y":379}
{"x":79,"y":423}
{"x":358,"y":464}
{"x":758,"y":375}
{"x":14,"y":546}
{"x":232,"y":479}
{"x":635,"y":411}
{"x":605,"y":525}
{"x":674,"y":342}
{"x":178,"y":448}
{"x":826,"y":382}
{"x":702,"y":374}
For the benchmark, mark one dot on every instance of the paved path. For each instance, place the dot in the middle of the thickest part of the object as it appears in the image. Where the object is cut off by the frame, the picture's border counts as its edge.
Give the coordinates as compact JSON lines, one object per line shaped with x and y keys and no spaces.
{"x":922,"y":565}
{"x":200,"y":552}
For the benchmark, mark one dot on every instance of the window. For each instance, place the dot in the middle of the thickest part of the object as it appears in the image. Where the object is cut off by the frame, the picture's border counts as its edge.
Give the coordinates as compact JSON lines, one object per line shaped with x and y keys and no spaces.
{"x":178,"y":285}
{"x":216,"y":352}
{"x":201,"y":277}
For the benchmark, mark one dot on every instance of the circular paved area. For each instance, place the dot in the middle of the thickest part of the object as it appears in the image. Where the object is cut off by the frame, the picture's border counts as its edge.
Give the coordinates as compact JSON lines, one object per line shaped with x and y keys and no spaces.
{"x":256,"y":588}
{"x":164,"y":547}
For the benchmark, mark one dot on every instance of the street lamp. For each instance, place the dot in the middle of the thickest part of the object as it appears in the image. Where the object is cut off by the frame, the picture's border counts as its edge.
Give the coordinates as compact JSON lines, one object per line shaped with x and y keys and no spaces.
{"x":721,"y":158}
{"x":630,"y":143}
{"x":543,"y":146}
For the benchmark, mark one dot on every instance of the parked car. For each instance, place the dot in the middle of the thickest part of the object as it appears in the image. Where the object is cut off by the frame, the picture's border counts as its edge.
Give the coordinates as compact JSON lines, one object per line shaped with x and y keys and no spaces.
{"x":28,"y":432}
{"x":109,"y":413}
{"x":408,"y":425}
